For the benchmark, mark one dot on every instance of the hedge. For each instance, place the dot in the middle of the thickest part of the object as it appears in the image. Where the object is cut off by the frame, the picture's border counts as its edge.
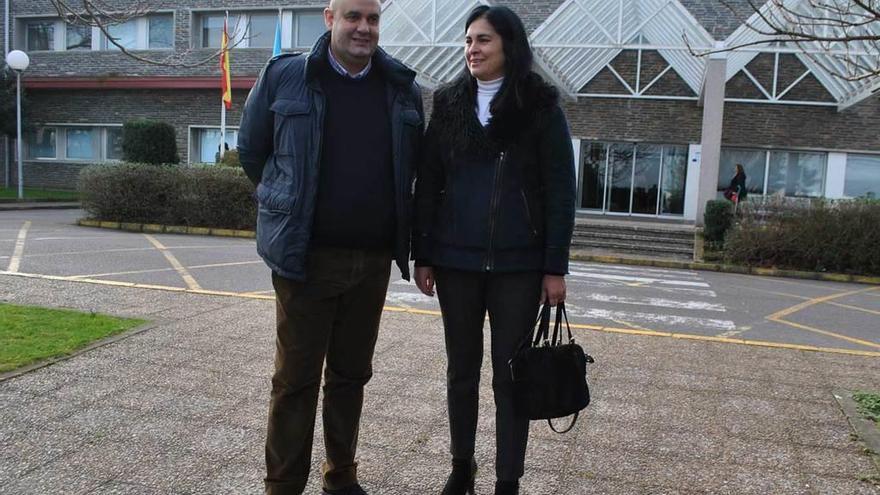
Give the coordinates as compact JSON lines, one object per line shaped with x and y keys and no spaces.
{"x":841,"y":236}
{"x":200,"y":196}
{"x":147,"y":141}
{"x":717,"y":219}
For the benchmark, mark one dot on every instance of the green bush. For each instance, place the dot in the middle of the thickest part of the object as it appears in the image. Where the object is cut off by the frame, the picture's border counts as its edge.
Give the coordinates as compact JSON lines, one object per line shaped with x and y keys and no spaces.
{"x":202,"y":196}
{"x":717,"y":220}
{"x":230,"y":159}
{"x":842,"y":236}
{"x":147,"y":141}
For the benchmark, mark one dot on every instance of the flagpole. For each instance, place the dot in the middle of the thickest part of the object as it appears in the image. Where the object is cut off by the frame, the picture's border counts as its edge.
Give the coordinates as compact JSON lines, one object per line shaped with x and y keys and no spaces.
{"x":223,"y":103}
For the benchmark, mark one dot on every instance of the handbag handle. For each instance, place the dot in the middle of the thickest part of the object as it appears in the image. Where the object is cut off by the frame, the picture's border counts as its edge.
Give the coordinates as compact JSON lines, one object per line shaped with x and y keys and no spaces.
{"x":557,"y":328}
{"x":570,"y":425}
{"x":543,"y":326}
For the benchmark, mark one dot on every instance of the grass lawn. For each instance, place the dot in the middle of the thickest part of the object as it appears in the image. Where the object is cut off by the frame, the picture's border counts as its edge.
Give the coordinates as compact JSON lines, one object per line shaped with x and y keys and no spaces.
{"x":869,"y":405}
{"x":29,"y":334}
{"x":12,"y":193}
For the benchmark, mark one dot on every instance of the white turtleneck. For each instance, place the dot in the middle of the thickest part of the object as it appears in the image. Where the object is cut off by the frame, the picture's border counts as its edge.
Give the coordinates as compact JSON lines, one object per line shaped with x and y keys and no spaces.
{"x":486,"y":90}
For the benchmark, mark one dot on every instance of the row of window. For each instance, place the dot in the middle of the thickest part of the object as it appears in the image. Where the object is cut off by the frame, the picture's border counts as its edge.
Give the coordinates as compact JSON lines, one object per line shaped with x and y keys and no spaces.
{"x":96,"y":144}
{"x":156,"y":32}
{"x":798,"y":174}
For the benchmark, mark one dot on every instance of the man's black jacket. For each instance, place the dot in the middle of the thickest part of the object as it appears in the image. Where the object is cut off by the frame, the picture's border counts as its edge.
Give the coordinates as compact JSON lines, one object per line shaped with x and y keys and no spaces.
{"x":279,"y":143}
{"x":500,"y":198}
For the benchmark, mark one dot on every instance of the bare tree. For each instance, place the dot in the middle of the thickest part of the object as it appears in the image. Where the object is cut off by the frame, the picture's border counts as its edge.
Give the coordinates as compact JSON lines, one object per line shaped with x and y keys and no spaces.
{"x":841,"y":36}
{"x":103,"y":15}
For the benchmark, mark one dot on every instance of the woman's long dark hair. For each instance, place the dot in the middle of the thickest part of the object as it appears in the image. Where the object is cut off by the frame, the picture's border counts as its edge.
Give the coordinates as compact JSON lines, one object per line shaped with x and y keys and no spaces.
{"x":517,"y":56}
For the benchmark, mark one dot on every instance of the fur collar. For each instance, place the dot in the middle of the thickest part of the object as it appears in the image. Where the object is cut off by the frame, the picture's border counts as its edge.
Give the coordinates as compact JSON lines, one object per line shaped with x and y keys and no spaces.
{"x":455,"y":122}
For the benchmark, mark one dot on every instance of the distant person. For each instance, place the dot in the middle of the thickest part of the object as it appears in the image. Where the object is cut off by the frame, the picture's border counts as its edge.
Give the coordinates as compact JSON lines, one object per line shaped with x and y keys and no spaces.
{"x":737,"y":191}
{"x":495,"y":200}
{"x":331,"y":140}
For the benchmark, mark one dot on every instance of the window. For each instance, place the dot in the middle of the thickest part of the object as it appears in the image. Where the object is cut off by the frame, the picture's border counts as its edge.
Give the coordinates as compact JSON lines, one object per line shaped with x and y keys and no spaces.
{"x":261,"y":30}
{"x":79,"y":37}
{"x":40,"y":144}
{"x":862,"y":176}
{"x":800,"y":175}
{"x":257,"y":29}
{"x":83,"y":143}
{"x":124,"y":35}
{"x":309,"y":27}
{"x":754,"y":163}
{"x":114,"y":143}
{"x":206,"y":144}
{"x":785,"y":173}
{"x":40,"y":35}
{"x":78,"y":143}
{"x":161,"y":34}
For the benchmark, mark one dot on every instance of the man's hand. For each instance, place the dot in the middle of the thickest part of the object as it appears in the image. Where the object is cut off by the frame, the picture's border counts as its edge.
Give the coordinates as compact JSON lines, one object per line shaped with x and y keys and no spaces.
{"x":425,"y":280}
{"x":552,"y":289}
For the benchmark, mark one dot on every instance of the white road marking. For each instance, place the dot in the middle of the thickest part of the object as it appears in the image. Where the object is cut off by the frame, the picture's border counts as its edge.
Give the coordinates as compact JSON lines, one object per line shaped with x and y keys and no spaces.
{"x":657,"y":302}
{"x":124,"y":250}
{"x":594,"y":284}
{"x":643,"y":280}
{"x":158,"y":270}
{"x":653,"y":319}
{"x":181,"y":270}
{"x":15,"y":261}
{"x":408,"y":297}
{"x":635,"y":271}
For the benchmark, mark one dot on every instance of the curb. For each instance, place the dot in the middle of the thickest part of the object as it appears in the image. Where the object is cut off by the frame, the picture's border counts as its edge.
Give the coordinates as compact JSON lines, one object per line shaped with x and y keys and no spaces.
{"x":152,"y":228}
{"x":8,"y":375}
{"x":680,"y":265}
{"x":866,"y":430}
{"x":15,"y":206}
{"x":723,"y":268}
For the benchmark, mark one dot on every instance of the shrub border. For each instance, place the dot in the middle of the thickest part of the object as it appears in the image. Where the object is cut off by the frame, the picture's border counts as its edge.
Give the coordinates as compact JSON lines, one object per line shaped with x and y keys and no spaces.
{"x":681,"y":265}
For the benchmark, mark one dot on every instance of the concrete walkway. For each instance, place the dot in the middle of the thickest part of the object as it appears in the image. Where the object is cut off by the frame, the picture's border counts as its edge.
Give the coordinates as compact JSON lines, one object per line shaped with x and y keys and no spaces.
{"x":180,"y":408}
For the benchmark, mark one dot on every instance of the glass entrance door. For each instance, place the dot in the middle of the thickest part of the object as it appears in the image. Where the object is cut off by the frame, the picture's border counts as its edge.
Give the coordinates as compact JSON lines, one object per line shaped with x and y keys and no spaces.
{"x":633,"y":179}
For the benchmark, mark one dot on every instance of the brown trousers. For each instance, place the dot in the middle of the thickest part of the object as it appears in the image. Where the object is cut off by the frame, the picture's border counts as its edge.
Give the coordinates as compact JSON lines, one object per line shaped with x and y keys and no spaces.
{"x":334,"y":315}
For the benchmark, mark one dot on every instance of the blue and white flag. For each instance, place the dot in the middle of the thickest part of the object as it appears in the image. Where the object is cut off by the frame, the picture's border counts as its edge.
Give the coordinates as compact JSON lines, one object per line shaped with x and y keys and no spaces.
{"x":276,"y":47}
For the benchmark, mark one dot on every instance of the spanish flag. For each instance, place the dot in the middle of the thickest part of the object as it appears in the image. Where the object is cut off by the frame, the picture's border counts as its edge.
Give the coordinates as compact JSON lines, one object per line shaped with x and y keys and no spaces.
{"x":225,"y":83}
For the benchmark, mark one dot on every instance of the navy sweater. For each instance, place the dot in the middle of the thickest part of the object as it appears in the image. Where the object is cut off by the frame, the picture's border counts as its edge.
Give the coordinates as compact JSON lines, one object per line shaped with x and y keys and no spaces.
{"x":355,"y":204}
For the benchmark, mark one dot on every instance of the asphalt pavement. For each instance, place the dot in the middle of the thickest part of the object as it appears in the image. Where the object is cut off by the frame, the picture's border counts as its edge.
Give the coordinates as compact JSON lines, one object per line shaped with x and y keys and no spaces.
{"x":686,"y":400}
{"x":729,"y":308}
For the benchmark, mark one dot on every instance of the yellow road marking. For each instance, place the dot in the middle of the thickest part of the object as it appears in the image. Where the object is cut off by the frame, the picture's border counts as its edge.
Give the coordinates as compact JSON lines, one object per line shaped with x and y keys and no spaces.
{"x":15,"y":261}
{"x":181,"y":270}
{"x":779,"y":316}
{"x":427,"y":312}
{"x":158,"y":270}
{"x":805,"y":298}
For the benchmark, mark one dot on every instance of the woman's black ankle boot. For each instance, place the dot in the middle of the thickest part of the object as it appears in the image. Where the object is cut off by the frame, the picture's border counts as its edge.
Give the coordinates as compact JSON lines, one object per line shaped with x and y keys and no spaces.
{"x":461,"y":480}
{"x":506,"y":487}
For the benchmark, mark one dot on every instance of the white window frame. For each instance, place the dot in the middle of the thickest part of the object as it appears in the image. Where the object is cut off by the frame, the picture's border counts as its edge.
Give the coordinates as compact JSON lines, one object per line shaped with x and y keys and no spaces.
{"x":61,"y":144}
{"x":193,"y":145}
{"x":99,"y":41}
{"x":239,"y":40}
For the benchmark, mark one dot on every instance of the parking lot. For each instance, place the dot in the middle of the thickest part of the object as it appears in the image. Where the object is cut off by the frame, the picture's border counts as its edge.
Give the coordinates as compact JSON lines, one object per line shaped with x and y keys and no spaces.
{"x":824,"y":316}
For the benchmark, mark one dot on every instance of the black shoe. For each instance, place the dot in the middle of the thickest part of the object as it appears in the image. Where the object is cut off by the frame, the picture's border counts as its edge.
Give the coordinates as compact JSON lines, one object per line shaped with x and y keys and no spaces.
{"x":506,"y":487}
{"x":461,"y":480}
{"x":349,"y":490}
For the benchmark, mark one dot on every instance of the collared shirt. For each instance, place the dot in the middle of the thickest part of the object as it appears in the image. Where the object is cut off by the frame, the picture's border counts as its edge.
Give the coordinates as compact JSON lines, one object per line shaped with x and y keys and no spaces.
{"x":337,"y":66}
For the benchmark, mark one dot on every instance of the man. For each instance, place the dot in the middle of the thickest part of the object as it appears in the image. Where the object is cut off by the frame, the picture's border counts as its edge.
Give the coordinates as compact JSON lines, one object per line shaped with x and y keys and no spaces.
{"x":330,"y":140}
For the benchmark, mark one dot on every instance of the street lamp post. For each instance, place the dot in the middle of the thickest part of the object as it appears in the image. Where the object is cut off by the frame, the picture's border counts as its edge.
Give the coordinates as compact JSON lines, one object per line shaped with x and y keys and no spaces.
{"x":18,"y":61}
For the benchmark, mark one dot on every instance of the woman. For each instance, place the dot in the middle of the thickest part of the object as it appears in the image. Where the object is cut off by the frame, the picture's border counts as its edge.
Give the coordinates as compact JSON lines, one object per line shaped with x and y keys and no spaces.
{"x":736,"y":191}
{"x":494,"y":216}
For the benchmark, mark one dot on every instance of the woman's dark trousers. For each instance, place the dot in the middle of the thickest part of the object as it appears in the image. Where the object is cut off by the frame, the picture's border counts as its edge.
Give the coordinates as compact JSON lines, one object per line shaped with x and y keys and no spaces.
{"x":334,"y":315}
{"x":512,"y":301}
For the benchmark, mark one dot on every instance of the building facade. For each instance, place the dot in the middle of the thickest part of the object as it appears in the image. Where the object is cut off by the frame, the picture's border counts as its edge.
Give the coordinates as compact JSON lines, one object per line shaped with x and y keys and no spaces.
{"x":657,"y":130}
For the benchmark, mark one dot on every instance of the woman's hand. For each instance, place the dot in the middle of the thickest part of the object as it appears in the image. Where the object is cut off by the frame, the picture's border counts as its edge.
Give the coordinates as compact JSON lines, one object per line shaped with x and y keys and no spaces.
{"x":425,"y":280}
{"x":552,"y":289}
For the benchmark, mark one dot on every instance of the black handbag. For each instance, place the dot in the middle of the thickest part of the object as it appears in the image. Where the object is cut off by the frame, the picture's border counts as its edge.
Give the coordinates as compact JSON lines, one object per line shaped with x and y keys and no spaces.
{"x":549,"y":376}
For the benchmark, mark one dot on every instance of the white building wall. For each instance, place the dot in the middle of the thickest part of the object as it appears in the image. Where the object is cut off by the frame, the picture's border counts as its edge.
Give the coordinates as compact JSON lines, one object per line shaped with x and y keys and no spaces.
{"x":835,"y":175}
{"x":692,"y":182}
